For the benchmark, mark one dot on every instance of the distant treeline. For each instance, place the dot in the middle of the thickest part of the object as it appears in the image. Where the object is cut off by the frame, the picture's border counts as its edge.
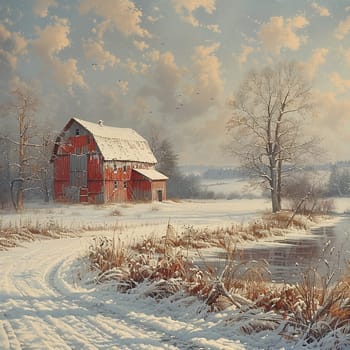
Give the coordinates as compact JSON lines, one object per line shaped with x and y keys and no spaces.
{"x":223,"y":173}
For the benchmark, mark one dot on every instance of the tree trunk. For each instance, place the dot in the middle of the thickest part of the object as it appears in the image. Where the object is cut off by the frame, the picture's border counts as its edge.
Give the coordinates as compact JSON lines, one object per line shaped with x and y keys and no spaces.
{"x":20,"y":197}
{"x":21,"y":160}
{"x":279,"y":184}
{"x":274,"y":191}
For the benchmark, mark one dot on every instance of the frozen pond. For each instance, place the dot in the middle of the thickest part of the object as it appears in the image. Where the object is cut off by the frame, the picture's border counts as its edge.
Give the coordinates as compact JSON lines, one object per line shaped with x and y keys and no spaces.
{"x":326,"y":246}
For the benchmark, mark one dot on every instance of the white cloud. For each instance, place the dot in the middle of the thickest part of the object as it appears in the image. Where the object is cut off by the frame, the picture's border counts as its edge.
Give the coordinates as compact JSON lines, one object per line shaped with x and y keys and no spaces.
{"x":322,"y":11}
{"x":66,"y":72}
{"x":50,"y":42}
{"x":208,"y":84}
{"x":140,"y":45}
{"x":342,"y":29}
{"x":153,"y":55}
{"x":186,"y":8}
{"x":317,"y":58}
{"x":346,"y":55}
{"x":12,"y":45}
{"x":120,"y":14}
{"x":123,"y":86}
{"x":214,"y":28}
{"x":281,"y":33}
{"x":101,"y":28}
{"x":153,"y":19}
{"x":53,"y":38}
{"x":165,"y":79}
{"x":342,"y":85}
{"x":333,"y":123}
{"x":144,"y":68}
{"x":95,"y":51}
{"x":207,"y":68}
{"x":41,"y":7}
{"x":246,"y":51}
{"x":131,"y":66}
{"x":18,"y":83}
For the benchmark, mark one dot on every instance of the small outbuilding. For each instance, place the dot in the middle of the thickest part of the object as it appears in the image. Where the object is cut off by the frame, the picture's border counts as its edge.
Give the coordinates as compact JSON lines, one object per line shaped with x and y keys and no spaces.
{"x":94,"y":163}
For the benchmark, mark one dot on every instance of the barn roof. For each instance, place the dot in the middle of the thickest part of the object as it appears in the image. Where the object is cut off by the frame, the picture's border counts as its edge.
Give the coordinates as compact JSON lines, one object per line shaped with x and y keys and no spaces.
{"x":151,"y":174}
{"x":119,"y":143}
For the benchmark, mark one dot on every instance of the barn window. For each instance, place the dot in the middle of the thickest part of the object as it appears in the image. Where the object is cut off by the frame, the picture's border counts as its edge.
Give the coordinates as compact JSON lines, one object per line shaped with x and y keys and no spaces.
{"x":125,"y":184}
{"x":115,"y":184}
{"x":124,"y":168}
{"x":77,"y":132}
{"x":115,"y":167}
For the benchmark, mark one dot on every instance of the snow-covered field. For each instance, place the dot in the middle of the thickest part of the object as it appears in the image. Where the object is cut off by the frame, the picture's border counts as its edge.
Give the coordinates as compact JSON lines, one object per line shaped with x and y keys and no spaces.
{"x":238,"y":187}
{"x":47,"y":304}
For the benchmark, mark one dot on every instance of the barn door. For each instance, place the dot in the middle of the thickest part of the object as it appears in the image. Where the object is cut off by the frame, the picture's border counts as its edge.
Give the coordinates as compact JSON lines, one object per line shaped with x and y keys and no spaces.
{"x":78,"y":170}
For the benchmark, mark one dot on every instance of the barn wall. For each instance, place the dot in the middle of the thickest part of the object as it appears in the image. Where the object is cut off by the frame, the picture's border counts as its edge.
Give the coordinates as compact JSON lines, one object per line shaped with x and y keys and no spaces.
{"x":114,"y":178}
{"x":95,"y":179}
{"x":61,"y":175}
{"x":159,"y":190}
{"x":140,"y":188}
{"x":78,"y":168}
{"x":81,"y":174}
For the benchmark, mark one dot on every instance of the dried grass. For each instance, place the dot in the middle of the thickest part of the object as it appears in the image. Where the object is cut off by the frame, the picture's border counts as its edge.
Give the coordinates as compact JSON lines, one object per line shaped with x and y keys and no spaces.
{"x":13,"y":235}
{"x":314,"y":311}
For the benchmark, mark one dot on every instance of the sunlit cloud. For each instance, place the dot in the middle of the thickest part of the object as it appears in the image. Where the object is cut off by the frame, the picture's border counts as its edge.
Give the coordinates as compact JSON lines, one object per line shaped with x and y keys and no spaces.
{"x":99,"y":56}
{"x":154,"y":55}
{"x":322,"y":11}
{"x":120,"y":14}
{"x":131,"y":66}
{"x":214,"y":28}
{"x":186,"y":8}
{"x":164,"y":83}
{"x":123,"y":86}
{"x":311,"y":66}
{"x":12,"y":46}
{"x":332,"y":116}
{"x":246,"y":51}
{"x":345,"y":53}
{"x":140,"y":45}
{"x":50,"y":42}
{"x":342,"y":85}
{"x":342,"y":29}
{"x":281,"y":33}
{"x":41,"y":7}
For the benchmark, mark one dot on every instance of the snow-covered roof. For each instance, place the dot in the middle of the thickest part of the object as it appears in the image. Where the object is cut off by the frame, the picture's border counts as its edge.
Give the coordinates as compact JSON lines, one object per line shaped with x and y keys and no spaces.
{"x":151,"y":174}
{"x":119,"y":143}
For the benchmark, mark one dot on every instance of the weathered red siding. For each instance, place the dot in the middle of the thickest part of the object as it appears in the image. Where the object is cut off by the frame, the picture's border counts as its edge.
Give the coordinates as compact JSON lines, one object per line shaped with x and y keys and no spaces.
{"x":95,"y":177}
{"x":140,"y":187}
{"x":115,"y":191}
{"x":82,"y":175}
{"x":159,"y":190}
{"x":61,"y":175}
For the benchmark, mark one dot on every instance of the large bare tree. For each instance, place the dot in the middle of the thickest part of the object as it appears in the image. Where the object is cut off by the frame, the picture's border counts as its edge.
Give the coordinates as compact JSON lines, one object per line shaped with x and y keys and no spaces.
{"x":269,"y":110}
{"x":22,"y":106}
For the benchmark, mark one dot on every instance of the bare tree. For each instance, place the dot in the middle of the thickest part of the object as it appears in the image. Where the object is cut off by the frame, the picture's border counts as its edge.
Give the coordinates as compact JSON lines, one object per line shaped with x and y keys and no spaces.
{"x":22,"y":105}
{"x":167,"y":159}
{"x":5,"y":173}
{"x":42,"y":169}
{"x":267,"y":124}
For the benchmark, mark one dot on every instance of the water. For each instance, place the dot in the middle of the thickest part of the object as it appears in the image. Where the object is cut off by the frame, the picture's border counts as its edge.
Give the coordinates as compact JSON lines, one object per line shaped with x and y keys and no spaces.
{"x":327,"y":248}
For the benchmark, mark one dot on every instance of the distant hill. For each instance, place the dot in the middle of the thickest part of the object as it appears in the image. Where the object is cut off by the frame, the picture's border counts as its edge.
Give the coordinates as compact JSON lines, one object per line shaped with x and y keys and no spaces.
{"x":227,"y":172}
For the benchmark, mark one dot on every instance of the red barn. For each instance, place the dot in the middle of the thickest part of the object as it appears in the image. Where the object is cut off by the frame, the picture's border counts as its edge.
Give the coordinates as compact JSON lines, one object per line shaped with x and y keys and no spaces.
{"x":94,"y":163}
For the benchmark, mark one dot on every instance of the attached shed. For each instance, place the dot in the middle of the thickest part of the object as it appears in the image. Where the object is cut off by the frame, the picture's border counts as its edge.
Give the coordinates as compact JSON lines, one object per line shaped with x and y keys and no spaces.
{"x":148,"y":184}
{"x":94,"y":163}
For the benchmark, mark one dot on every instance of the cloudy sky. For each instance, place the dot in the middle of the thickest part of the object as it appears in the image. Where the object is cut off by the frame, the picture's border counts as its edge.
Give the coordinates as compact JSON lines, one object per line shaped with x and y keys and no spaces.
{"x":172,"y":65}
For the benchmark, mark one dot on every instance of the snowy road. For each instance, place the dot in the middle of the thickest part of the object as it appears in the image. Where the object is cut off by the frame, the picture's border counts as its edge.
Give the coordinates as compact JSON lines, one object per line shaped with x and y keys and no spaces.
{"x":41,"y":310}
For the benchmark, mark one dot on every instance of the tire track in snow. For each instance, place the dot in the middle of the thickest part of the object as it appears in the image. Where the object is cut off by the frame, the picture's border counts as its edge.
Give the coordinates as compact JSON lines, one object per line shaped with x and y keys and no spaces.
{"x":44,"y":310}
{"x":41,"y":311}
